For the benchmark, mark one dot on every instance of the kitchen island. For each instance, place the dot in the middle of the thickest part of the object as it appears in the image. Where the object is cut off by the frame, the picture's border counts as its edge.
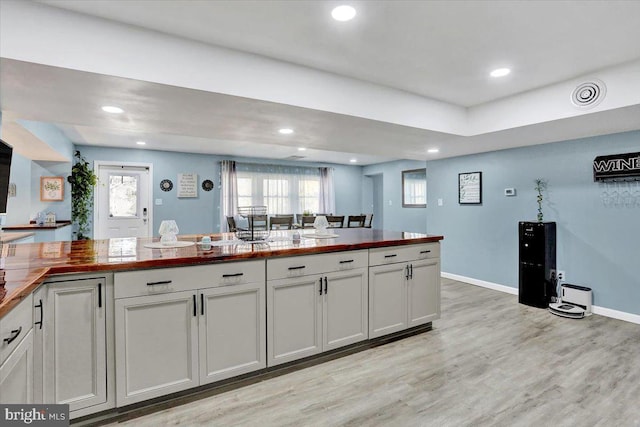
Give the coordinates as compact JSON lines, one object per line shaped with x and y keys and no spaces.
{"x":125,"y":323}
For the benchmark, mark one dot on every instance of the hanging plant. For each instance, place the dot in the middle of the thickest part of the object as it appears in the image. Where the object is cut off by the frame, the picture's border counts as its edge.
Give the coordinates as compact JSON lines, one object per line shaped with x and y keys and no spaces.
{"x":82,"y":180}
{"x":541,"y":185}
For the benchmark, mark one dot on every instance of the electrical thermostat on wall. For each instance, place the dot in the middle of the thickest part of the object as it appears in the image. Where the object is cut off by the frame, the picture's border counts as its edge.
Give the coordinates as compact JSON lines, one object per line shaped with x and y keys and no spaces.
{"x":509,"y":191}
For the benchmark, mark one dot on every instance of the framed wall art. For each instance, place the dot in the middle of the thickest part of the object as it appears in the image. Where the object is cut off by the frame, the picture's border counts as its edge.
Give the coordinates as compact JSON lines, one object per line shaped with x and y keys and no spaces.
{"x":470,"y":188}
{"x":51,"y":188}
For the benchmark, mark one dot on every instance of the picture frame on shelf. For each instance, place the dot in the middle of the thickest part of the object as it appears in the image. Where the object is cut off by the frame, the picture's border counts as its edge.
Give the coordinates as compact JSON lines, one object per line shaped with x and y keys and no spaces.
{"x":51,"y":188}
{"x":470,"y":188}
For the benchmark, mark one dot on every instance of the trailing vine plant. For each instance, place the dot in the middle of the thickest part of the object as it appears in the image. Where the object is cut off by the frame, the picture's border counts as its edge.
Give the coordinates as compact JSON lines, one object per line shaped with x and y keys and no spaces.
{"x":83,"y":181}
{"x":541,"y":185}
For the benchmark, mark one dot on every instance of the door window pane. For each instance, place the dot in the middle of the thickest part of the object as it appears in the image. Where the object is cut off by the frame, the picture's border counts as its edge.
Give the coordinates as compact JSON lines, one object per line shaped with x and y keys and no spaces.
{"x":123,"y":196}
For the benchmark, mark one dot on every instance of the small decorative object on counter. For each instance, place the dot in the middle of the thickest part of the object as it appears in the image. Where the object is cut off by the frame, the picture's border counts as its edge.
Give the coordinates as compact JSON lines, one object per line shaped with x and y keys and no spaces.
{"x":50,"y":218}
{"x":321,"y":224}
{"x":168,"y":231}
{"x":253,"y":223}
{"x":296,"y":237}
{"x":40,"y":218}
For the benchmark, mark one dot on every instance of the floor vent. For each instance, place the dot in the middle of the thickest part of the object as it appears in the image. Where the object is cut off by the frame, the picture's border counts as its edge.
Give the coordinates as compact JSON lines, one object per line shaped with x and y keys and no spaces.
{"x":589,"y":94}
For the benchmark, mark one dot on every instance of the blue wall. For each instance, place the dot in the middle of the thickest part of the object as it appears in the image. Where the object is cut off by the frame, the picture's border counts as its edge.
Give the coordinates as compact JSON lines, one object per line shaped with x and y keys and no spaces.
{"x":201,"y":214}
{"x":598,"y":244}
{"x":395,"y":217}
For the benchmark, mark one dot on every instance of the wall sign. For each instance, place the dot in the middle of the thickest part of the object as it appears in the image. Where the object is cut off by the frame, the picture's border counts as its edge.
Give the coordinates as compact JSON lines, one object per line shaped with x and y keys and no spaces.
{"x":470,"y":188}
{"x":51,"y":188}
{"x":187,"y":185}
{"x":617,"y":166}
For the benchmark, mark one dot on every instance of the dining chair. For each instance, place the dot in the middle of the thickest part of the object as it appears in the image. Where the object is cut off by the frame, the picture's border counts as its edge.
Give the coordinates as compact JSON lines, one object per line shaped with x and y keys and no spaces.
{"x":258,"y":222}
{"x":284,"y":222}
{"x":356,"y":221}
{"x":231,"y":224}
{"x":335,"y":221}
{"x":307,"y":221}
{"x":368,"y":222}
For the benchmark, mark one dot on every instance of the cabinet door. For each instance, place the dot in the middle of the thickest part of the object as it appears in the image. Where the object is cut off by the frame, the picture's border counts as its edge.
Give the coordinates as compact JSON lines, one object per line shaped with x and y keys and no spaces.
{"x":156,"y":346}
{"x":39,"y":307}
{"x":345,"y":309}
{"x":75,"y":369}
{"x":387,"y":299}
{"x":423,"y":298}
{"x":16,"y":374}
{"x":294,"y":319}
{"x":232,"y":328}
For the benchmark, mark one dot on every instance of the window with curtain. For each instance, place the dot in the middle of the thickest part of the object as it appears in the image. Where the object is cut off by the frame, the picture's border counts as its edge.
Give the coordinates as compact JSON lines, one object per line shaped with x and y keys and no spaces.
{"x":283,"y":189}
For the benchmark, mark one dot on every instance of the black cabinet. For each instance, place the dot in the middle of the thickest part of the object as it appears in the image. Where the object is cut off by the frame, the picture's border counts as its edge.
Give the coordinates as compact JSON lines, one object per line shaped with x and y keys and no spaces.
{"x":537,"y":249}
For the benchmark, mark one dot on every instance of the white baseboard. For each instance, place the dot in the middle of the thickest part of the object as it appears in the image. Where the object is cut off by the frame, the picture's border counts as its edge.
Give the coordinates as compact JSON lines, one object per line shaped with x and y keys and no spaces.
{"x":602,"y":311}
{"x":484,"y":284}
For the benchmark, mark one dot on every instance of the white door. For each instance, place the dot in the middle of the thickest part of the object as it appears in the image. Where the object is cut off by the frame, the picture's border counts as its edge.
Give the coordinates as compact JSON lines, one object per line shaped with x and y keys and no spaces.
{"x":122,"y":205}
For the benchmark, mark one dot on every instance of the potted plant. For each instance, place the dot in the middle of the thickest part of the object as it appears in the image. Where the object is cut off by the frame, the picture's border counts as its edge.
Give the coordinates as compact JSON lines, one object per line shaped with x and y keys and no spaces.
{"x":541,"y":185}
{"x":82,"y":180}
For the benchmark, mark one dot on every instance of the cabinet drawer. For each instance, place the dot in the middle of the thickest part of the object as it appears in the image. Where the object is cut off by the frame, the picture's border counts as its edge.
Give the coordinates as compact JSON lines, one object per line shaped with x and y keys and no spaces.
{"x":163,"y":280}
{"x":394,"y":254}
{"x":20,"y":320}
{"x":282,"y":268}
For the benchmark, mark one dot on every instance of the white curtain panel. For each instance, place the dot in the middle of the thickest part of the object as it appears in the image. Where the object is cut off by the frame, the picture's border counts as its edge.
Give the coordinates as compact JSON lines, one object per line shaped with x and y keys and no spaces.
{"x":228,"y":192}
{"x":327,"y":192}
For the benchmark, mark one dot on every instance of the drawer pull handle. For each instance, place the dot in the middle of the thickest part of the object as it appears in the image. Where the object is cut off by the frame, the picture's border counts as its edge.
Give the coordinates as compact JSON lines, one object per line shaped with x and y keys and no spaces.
{"x":15,"y":333}
{"x":346,"y":261}
{"x":424,"y":252}
{"x":163,"y":282}
{"x":233,"y":275}
{"x":41,"y":314}
{"x":298,"y":268}
{"x":390,"y":256}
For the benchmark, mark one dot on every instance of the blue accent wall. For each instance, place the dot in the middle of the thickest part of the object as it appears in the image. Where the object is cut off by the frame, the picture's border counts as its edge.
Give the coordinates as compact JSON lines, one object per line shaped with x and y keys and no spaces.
{"x":201,"y":214}
{"x":394,"y":216}
{"x":598,"y":243}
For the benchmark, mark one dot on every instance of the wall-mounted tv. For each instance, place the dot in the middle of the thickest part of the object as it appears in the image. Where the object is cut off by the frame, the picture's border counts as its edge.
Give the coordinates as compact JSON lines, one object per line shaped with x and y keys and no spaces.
{"x":6,"y":152}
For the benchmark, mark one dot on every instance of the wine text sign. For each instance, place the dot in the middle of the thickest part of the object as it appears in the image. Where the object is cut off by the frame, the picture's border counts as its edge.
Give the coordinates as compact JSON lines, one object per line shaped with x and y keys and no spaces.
{"x":187,"y":185}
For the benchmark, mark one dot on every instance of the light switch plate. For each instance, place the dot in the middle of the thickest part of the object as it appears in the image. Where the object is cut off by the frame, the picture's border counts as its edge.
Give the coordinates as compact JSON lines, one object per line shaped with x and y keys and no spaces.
{"x":509,"y":192}
{"x":440,"y":202}
{"x":158,"y":202}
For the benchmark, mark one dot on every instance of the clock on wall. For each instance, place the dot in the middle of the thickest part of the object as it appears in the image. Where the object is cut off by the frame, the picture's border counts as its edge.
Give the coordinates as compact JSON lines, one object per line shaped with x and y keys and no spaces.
{"x":166,"y":185}
{"x":207,"y":185}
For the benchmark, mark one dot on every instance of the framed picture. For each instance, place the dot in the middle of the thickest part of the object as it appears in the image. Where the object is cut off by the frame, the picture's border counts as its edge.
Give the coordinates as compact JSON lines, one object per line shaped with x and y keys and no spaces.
{"x":470,"y":188}
{"x":51,"y":188}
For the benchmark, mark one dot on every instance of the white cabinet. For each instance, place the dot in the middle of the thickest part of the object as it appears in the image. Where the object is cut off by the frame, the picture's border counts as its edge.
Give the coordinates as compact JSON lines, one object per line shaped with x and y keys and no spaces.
{"x":75,"y":343}
{"x":156,"y":345}
{"x":177,"y":328}
{"x":404,"y":287}
{"x":309,"y":314}
{"x":16,"y":354}
{"x":16,"y":373}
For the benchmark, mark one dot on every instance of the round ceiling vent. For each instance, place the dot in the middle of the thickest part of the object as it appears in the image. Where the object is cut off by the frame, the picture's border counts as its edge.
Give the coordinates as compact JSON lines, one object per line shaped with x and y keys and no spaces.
{"x":589,"y":94}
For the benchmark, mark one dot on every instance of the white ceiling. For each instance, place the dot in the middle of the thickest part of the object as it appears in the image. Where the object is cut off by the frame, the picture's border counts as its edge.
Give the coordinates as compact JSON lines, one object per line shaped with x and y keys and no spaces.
{"x":437,"y":50}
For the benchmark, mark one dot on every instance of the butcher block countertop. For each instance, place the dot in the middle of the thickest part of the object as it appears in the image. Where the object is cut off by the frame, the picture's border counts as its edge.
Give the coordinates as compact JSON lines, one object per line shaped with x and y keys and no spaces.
{"x":27,"y":265}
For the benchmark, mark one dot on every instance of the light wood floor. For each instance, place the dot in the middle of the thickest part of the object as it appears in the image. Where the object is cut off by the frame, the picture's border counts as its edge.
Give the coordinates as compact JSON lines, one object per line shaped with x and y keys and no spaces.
{"x":488,"y":362}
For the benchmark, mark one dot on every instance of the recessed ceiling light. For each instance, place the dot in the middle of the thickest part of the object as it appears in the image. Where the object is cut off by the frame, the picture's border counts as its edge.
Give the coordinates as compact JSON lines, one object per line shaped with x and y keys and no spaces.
{"x":286,"y":131}
{"x":141,"y":143}
{"x":433,"y":150}
{"x":111,"y":109}
{"x":353,"y":160}
{"x":302,"y":149}
{"x":500,"y":72}
{"x":343,"y":13}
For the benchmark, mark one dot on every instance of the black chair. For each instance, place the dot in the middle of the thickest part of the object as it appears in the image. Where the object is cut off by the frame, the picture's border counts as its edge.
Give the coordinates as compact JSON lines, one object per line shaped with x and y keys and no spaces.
{"x":307,"y":221}
{"x":335,"y":221}
{"x":284,"y":222}
{"x":356,"y":221}
{"x":368,"y":220}
{"x":231,"y":224}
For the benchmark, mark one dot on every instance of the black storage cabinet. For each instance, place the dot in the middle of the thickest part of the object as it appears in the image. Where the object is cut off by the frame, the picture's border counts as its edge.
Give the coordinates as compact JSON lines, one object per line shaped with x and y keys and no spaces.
{"x":537,"y":248}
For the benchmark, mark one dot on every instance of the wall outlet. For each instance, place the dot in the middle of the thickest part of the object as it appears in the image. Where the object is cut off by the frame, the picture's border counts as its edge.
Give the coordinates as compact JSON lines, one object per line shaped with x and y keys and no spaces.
{"x":158,"y":202}
{"x":440,"y":202}
{"x":561,"y":276}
